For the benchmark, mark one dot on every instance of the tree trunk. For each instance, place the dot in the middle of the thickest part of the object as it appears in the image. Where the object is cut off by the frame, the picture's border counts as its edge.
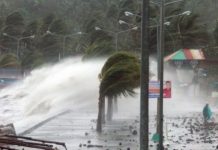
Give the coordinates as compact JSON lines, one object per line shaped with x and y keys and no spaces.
{"x":110,"y":109}
{"x":115,"y":105}
{"x":103,"y":110}
{"x":100,"y":114}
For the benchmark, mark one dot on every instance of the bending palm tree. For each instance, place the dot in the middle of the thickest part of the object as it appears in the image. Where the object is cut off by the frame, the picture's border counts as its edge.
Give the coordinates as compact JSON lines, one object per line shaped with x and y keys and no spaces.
{"x":119,"y":76}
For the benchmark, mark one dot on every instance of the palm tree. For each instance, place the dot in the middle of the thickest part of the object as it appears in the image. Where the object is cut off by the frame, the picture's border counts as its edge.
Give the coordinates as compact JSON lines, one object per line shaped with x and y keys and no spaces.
{"x":187,"y":32}
{"x":120,"y":75}
{"x":9,"y":60}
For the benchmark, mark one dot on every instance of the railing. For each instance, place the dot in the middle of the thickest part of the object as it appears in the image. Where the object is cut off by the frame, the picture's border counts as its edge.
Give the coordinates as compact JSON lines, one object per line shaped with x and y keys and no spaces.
{"x":7,"y":142}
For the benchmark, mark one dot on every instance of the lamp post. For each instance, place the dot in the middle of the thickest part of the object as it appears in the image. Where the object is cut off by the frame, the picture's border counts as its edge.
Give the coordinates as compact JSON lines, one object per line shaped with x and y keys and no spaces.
{"x":160,"y":49}
{"x":64,"y":40}
{"x":157,"y":23}
{"x":128,"y":13}
{"x":116,"y":33}
{"x":66,"y":36}
{"x":161,"y":75}
{"x":144,"y":78}
{"x":18,"y":41}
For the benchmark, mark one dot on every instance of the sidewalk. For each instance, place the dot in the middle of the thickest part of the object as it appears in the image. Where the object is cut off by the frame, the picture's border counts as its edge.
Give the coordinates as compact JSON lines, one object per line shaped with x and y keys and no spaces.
{"x":77,"y":130}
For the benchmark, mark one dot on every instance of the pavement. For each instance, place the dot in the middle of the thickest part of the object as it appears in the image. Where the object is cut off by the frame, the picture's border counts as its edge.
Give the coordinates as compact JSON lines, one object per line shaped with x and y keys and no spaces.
{"x":77,"y":130}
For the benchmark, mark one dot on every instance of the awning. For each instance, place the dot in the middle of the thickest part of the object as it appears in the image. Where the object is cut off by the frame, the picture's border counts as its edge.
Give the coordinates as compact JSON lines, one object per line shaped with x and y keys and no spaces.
{"x":186,"y":54}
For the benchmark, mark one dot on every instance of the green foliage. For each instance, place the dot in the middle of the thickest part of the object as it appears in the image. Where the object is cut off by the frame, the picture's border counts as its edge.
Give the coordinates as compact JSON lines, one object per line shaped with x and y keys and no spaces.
{"x":191,"y":33}
{"x":46,"y":22}
{"x":14,"y":24}
{"x":99,"y":49}
{"x":32,"y":28}
{"x":186,"y":32}
{"x":100,"y":36}
{"x":118,"y":58}
{"x":70,"y":16}
{"x":58,"y":26}
{"x":9,"y":60}
{"x":15,"y":19}
{"x":32,"y":60}
{"x":50,"y":46}
{"x":120,"y":75}
{"x":216,"y":34}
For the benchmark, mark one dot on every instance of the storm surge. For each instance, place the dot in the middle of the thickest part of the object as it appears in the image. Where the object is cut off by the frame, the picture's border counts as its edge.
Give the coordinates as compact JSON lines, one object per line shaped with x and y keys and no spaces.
{"x":72,"y":84}
{"x":69,"y":84}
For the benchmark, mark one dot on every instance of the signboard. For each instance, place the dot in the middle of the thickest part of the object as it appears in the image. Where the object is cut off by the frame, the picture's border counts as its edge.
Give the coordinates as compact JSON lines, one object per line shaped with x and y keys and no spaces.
{"x":154,"y":89}
{"x":167,"y":89}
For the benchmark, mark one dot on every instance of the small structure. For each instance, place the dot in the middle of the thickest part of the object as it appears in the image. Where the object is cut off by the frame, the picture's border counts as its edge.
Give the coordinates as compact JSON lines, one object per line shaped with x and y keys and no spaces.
{"x":186,"y":54}
{"x":203,"y":68}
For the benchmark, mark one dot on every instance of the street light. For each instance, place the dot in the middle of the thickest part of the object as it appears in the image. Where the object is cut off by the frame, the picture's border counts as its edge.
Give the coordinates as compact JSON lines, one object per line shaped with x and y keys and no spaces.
{"x":64,"y":39}
{"x":69,"y":35}
{"x":18,"y":41}
{"x":160,"y":48}
{"x":160,"y":53}
{"x":165,"y":4}
{"x":187,"y":13}
{"x":127,"y":13}
{"x":116,"y":33}
{"x":124,"y":22}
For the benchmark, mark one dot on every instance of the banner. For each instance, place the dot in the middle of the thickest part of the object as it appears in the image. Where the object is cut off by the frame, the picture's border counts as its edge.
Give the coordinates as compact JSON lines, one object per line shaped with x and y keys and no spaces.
{"x":154,"y":89}
{"x":167,"y":89}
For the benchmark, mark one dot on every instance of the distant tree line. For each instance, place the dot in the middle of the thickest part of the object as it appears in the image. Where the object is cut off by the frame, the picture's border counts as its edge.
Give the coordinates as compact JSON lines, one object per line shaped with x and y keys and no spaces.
{"x":39,"y":31}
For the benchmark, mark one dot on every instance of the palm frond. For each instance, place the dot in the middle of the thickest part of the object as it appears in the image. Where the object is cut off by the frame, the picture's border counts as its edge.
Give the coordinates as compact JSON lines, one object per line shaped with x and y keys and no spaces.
{"x":120,"y":75}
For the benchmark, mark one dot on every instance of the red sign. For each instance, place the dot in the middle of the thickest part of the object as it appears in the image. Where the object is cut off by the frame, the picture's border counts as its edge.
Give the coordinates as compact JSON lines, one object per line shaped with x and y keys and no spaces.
{"x":167,"y":89}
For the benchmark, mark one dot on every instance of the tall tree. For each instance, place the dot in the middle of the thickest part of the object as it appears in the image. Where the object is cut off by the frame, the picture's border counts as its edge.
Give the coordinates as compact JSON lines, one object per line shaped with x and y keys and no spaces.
{"x":14,"y":27}
{"x":119,"y":76}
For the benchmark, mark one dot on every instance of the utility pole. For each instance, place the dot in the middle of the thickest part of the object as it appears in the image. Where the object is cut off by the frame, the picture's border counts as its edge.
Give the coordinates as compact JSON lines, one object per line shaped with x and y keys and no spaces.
{"x":161,"y":73}
{"x":144,"y":99}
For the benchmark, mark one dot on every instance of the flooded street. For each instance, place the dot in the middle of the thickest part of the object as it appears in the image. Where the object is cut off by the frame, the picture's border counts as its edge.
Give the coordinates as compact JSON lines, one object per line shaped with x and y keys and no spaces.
{"x":47,"y":106}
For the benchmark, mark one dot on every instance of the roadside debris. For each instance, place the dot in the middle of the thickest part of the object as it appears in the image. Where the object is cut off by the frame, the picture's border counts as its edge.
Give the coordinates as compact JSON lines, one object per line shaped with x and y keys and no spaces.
{"x":10,"y":141}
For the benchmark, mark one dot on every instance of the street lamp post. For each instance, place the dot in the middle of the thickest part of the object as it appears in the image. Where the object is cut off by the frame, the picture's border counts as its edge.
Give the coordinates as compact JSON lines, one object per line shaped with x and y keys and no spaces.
{"x":66,"y":36}
{"x":64,"y":40}
{"x":157,"y":26}
{"x":144,"y":78}
{"x":160,"y":53}
{"x":160,"y":49}
{"x":160,"y":74}
{"x":116,"y":34}
{"x":157,"y":23}
{"x":18,"y":41}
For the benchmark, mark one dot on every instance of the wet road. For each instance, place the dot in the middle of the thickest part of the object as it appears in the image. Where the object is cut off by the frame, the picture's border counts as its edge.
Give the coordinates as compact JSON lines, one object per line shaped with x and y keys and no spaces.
{"x":77,"y":130}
